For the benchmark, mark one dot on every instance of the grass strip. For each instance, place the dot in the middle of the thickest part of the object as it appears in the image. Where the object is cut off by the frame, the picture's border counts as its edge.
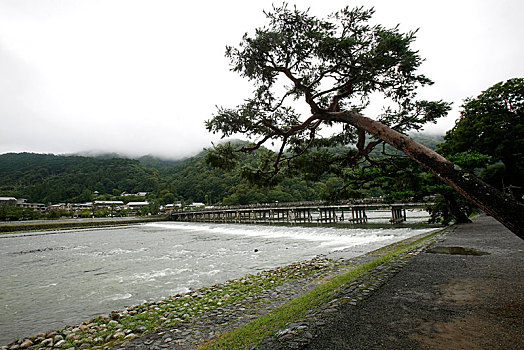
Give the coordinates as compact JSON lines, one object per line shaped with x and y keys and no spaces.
{"x":253,"y":332}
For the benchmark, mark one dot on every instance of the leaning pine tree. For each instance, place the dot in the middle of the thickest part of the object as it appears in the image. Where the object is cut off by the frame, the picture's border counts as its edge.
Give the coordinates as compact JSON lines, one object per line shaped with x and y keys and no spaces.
{"x":335,"y":66}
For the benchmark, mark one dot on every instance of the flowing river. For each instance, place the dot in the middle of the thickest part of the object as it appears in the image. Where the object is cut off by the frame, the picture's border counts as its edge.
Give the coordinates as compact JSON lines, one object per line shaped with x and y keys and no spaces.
{"x":51,"y":279}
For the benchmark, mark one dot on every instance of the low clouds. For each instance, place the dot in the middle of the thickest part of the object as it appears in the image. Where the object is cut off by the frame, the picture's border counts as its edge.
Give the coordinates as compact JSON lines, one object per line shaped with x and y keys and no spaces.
{"x":141,"y":77}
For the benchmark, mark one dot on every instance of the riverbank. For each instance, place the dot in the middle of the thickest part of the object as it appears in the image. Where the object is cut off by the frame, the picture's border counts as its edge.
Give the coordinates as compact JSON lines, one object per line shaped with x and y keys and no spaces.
{"x":66,"y":224}
{"x":200,"y":315}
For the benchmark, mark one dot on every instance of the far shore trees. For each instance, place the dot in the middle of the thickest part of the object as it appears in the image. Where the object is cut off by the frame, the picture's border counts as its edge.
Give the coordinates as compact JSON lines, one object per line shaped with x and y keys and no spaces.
{"x":337,"y":66}
{"x":492,"y":125}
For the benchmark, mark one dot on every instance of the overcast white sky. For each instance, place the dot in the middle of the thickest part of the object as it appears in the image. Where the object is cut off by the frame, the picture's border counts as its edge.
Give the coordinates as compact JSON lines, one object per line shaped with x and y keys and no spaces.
{"x":142,"y":76}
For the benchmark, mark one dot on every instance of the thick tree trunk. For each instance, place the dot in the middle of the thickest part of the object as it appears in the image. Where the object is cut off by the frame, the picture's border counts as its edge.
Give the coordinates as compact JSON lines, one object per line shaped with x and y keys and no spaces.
{"x":502,"y":207}
{"x":515,"y":181}
{"x":454,"y":208}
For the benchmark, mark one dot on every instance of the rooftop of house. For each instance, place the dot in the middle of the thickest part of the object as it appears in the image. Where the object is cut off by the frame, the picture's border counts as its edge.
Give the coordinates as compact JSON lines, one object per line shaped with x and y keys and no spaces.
{"x":131,"y":204}
{"x":109,"y":202}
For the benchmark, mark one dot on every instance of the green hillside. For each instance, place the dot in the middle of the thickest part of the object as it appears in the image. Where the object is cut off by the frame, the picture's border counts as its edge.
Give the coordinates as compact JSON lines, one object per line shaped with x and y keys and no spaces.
{"x":48,"y":178}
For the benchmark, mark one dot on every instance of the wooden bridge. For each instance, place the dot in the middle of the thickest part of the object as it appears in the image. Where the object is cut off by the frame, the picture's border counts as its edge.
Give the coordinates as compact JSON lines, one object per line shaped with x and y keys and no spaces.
{"x":295,"y":213}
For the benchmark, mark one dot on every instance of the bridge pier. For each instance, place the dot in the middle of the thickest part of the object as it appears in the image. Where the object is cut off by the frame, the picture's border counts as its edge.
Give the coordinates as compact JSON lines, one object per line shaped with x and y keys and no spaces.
{"x":358,"y":215}
{"x":398,"y":214}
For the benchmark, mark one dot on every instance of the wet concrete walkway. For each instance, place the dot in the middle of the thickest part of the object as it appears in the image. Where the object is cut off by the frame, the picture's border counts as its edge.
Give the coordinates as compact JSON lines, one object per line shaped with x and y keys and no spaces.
{"x":446,"y":298}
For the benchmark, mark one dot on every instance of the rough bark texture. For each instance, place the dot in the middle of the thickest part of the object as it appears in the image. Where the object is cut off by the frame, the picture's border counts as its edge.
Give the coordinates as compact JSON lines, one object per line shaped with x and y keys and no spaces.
{"x":502,"y":207}
{"x":455,"y":210}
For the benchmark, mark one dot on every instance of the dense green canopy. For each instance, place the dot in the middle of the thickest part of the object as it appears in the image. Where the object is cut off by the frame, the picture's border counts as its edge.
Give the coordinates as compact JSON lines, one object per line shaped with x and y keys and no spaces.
{"x":492,"y":124}
{"x":48,"y":178}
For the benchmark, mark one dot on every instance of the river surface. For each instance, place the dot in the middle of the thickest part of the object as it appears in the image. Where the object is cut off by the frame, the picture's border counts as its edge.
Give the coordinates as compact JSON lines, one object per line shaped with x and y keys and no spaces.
{"x":51,"y":279}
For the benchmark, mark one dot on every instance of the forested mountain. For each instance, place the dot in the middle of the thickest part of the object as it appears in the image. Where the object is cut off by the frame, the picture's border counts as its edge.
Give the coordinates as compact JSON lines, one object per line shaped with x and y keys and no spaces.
{"x":48,"y":178}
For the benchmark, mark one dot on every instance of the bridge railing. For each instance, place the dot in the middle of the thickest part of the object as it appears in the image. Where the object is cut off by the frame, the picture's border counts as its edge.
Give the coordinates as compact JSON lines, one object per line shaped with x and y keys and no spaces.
{"x":277,"y":204}
{"x":351,"y":211}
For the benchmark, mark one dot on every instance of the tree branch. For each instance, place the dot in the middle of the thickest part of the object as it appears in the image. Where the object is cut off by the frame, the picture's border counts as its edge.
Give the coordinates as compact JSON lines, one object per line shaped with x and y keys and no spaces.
{"x":257,"y":145}
{"x":307,"y":91}
{"x":308,"y":146}
{"x":269,"y":124}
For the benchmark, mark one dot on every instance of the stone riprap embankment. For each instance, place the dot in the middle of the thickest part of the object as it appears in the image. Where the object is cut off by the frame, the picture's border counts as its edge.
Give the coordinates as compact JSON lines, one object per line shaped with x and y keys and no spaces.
{"x":121,"y":325}
{"x":186,"y":321}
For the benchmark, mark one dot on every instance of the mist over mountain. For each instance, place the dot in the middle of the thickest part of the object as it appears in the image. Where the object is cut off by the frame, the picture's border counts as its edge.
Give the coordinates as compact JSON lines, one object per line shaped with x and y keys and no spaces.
{"x":150,"y":158}
{"x":49,"y":178}
{"x":110,"y":154}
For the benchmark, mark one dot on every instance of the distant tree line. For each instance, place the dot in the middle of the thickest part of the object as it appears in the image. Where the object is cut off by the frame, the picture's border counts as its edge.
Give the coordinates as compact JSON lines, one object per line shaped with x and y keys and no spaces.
{"x":48,"y":178}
